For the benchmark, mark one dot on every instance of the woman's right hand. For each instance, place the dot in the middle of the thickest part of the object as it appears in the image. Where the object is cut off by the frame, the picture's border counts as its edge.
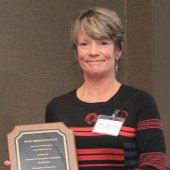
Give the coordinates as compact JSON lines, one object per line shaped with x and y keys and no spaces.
{"x":7,"y":163}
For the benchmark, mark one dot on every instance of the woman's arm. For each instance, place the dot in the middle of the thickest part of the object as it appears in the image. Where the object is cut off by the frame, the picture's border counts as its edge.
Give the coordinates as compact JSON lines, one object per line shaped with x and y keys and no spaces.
{"x":150,"y":137}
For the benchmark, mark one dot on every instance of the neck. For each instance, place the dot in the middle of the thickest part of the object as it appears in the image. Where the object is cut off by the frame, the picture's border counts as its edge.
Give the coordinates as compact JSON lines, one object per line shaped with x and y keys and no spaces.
{"x":98,"y":90}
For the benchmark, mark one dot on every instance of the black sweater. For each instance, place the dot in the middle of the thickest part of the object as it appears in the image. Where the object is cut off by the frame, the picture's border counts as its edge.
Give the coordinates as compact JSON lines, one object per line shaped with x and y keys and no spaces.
{"x":140,"y":143}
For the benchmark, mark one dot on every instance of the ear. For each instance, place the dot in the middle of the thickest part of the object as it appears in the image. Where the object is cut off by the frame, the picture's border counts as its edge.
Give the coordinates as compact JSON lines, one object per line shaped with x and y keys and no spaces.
{"x":75,"y":49}
{"x":75,"y":52}
{"x":119,"y":52}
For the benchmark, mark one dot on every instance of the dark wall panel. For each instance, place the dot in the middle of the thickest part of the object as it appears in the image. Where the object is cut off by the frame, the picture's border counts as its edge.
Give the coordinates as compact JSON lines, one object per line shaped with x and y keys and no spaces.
{"x":161,"y":63}
{"x":139,"y":43}
{"x":147,"y":52}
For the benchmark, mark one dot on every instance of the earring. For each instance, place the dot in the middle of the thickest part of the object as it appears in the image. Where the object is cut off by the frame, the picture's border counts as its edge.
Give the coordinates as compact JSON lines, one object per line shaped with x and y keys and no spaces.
{"x":116,"y":65}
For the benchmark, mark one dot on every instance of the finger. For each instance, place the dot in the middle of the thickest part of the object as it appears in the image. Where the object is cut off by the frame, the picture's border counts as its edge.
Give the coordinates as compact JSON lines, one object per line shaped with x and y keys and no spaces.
{"x":7,"y":163}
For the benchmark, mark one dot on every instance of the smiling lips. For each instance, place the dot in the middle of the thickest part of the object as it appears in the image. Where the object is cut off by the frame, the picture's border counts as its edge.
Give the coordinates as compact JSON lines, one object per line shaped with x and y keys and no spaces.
{"x":97,"y":61}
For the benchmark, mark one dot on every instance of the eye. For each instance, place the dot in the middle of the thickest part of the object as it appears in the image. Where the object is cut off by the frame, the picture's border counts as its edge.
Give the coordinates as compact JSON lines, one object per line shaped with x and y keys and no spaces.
{"x":104,"y":43}
{"x":83,"y":44}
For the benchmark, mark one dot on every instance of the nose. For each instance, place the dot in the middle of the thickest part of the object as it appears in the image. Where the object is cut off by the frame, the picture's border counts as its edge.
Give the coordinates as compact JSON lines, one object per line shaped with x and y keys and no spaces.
{"x":93,"y":51}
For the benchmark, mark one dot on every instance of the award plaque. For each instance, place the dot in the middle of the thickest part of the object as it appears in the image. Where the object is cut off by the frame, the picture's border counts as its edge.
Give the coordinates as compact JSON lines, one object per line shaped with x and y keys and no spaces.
{"x":49,"y":146}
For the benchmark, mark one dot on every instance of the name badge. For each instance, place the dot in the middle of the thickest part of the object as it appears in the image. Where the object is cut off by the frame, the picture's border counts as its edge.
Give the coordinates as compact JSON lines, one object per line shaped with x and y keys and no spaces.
{"x":109,"y":125}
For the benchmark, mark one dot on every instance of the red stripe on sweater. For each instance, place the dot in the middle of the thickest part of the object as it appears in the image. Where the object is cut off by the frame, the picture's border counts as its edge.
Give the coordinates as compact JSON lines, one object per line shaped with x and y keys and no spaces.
{"x":155,"y":159}
{"x":79,"y":131}
{"x":128,"y":129}
{"x":100,"y":151}
{"x":89,"y":129}
{"x":87,"y":134}
{"x":99,"y":165}
{"x":100,"y":157}
{"x":82,"y":129}
{"x":149,"y":124}
{"x":127,"y":134}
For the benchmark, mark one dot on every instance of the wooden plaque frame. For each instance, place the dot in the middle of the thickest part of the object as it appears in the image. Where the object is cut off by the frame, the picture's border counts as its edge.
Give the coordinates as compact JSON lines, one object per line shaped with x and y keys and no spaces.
{"x":27,"y":140}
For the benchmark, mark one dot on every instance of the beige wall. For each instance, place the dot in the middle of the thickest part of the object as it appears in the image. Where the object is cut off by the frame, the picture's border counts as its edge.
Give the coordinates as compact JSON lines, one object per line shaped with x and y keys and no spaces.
{"x":36,"y":58}
{"x":37,"y":62}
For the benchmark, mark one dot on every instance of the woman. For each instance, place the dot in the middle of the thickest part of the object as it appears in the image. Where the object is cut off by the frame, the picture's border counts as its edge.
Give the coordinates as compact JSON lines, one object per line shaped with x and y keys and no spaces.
{"x":116,"y":126}
{"x":97,"y":36}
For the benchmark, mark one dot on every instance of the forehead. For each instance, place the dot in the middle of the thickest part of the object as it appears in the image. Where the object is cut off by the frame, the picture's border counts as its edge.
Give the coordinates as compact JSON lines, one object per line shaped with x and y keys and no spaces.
{"x":85,"y":37}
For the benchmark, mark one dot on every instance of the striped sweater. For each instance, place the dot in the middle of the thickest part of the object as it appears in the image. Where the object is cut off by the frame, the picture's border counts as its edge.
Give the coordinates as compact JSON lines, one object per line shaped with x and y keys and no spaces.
{"x":140,"y":143}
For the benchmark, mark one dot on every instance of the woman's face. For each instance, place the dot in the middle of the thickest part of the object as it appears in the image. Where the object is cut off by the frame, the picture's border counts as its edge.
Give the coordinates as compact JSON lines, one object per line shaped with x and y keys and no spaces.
{"x":97,"y":56}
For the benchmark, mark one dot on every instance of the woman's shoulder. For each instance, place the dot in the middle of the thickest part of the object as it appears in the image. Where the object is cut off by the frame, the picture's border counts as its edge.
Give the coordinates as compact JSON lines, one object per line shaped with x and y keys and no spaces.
{"x":63,"y":98}
{"x":142,"y":97}
{"x":134,"y":90}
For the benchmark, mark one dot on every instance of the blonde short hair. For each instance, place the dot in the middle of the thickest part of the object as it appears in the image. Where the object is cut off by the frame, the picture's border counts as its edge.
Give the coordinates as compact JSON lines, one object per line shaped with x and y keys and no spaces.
{"x":98,"y":23}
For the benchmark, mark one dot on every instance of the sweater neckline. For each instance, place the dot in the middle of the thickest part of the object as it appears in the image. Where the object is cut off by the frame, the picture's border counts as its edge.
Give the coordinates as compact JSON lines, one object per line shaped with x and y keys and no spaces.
{"x":96,"y":104}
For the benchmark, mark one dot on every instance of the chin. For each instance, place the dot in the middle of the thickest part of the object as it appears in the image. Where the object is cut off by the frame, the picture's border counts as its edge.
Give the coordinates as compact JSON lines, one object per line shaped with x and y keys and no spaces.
{"x":96,"y":74}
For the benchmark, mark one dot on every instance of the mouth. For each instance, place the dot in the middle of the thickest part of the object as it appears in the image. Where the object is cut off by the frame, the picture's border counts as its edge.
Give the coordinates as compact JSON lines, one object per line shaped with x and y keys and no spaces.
{"x":95,"y":61}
